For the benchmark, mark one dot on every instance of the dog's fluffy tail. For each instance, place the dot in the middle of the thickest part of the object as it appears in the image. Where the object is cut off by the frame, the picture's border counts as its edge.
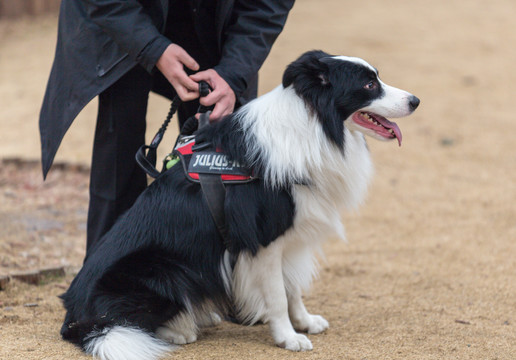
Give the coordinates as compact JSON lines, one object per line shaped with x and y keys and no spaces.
{"x":124,"y":343}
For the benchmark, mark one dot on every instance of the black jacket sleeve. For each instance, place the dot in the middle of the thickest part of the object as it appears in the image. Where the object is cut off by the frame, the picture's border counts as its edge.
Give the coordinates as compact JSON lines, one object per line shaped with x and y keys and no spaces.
{"x":248,"y":37}
{"x":254,"y":26}
{"x":132,"y":29}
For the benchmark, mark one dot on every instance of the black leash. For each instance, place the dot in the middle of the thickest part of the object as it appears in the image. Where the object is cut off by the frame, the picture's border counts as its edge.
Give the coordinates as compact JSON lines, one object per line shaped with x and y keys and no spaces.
{"x":212,"y":186}
{"x":147,"y":161}
{"x":147,"y":154}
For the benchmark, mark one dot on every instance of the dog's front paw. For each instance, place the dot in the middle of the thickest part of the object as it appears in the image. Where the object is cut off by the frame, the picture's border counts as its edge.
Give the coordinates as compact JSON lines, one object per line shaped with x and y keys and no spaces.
{"x":175,"y":337}
{"x":296,"y":342}
{"x":312,"y":324}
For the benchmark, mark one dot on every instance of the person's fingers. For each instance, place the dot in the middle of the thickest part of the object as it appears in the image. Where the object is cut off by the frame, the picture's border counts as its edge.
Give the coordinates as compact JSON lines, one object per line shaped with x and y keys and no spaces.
{"x":212,"y":78}
{"x":222,"y":108}
{"x":222,"y":95}
{"x":183,"y":79}
{"x":186,"y":59}
{"x":209,"y":76}
{"x":202,"y":76}
{"x":186,"y":88}
{"x":172,"y":64}
{"x":216,"y":113}
{"x":212,"y":98}
{"x":184,"y":93}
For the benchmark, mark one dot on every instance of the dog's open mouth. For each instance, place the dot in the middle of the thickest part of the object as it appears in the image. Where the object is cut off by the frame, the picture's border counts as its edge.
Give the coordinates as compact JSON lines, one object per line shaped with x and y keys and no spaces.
{"x":380,"y":125}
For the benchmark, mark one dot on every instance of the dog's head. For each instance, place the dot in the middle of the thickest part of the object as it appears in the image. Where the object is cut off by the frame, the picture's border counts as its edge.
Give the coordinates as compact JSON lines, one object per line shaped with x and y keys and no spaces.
{"x":346,"y":91}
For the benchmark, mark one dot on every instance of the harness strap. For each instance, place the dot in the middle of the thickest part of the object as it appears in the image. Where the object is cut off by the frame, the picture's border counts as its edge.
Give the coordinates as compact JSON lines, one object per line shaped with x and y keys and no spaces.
{"x":215,"y":195}
{"x":212,"y":187}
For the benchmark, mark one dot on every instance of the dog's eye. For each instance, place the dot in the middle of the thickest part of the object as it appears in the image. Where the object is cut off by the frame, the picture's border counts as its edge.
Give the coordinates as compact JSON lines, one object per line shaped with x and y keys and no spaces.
{"x":371,"y":85}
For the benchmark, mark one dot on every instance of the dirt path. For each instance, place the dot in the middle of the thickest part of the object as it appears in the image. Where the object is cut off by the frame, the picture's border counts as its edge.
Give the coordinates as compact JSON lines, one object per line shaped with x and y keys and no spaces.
{"x":430,"y":268}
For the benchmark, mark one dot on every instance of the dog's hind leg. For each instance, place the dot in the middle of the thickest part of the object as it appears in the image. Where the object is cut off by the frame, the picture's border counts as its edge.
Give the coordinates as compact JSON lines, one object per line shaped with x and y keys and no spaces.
{"x":260,"y":294}
{"x":184,"y":327}
{"x":209,"y":319}
{"x":180,"y":330}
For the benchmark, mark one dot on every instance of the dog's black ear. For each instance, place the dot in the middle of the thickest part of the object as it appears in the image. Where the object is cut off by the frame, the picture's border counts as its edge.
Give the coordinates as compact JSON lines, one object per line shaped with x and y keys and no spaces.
{"x":310,"y":77}
{"x":307,"y":70}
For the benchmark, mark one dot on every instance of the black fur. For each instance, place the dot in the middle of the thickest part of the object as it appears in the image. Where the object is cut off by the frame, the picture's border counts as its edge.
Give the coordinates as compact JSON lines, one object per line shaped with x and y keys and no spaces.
{"x":331,"y":88}
{"x":167,"y":245}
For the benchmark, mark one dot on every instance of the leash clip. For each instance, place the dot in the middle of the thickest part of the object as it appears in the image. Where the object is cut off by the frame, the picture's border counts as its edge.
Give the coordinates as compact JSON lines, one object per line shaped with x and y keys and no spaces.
{"x":146,"y":155}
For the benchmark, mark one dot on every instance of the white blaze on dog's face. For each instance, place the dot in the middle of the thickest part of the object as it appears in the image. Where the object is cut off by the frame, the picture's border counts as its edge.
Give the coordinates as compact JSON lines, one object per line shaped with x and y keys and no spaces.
{"x":347,"y":92}
{"x":385,"y":102}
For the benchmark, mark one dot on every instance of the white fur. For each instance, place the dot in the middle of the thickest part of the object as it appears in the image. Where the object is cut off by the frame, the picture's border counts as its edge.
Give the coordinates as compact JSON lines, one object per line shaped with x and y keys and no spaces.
{"x":355,"y":60}
{"x":226,"y":271}
{"x":291,"y":141}
{"x":268,"y":287}
{"x":260,"y":294}
{"x":393,"y":104}
{"x":126,"y":343}
{"x":182,"y":329}
{"x":286,"y":136}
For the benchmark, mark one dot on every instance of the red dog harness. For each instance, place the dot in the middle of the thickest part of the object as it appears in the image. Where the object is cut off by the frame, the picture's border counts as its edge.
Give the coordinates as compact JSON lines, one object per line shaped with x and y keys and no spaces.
{"x":213,"y":170}
{"x":199,"y":161}
{"x":202,"y":164}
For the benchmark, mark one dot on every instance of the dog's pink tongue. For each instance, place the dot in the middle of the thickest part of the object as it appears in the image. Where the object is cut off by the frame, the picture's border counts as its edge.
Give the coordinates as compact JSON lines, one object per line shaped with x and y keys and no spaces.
{"x":397,"y":132}
{"x":391,"y":125}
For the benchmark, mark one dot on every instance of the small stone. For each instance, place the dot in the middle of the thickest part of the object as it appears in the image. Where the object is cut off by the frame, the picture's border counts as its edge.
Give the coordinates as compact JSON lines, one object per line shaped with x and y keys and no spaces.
{"x":447,"y":141}
{"x":31,"y":305}
{"x":469,"y":80}
{"x":4,"y":280}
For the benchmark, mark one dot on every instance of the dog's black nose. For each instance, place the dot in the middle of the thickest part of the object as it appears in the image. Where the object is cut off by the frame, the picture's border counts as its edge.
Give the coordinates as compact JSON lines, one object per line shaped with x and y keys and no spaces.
{"x":413,"y":102}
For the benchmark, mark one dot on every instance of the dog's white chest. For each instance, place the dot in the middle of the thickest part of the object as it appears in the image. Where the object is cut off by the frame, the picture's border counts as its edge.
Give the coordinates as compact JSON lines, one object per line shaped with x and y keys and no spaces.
{"x":341,"y":183}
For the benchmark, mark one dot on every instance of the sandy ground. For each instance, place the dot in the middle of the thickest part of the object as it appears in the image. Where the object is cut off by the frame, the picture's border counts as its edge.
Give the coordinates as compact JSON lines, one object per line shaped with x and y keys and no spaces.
{"x":430,"y":268}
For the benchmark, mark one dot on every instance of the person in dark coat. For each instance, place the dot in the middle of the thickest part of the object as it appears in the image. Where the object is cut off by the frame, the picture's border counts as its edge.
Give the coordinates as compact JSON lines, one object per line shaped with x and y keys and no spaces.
{"x":122,"y":50}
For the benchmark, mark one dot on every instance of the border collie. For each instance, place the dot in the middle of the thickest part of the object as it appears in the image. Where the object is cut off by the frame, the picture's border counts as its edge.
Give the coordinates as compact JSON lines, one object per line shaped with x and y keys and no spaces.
{"x":163,"y":271}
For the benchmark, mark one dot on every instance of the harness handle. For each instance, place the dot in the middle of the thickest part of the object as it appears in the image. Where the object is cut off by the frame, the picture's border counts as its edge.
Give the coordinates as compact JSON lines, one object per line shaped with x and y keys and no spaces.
{"x":147,"y":154}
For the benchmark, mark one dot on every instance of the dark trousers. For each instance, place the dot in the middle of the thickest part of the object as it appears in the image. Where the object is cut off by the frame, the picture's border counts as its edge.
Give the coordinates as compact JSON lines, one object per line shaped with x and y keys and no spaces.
{"x":116,"y":179}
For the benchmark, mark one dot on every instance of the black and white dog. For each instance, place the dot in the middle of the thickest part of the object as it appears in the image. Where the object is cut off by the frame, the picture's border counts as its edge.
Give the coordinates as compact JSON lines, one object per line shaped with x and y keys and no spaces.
{"x":163,"y":272}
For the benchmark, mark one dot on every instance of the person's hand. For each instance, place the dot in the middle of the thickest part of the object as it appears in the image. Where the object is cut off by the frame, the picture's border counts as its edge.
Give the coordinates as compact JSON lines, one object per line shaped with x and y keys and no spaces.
{"x":222,"y":95}
{"x":171,"y":65}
